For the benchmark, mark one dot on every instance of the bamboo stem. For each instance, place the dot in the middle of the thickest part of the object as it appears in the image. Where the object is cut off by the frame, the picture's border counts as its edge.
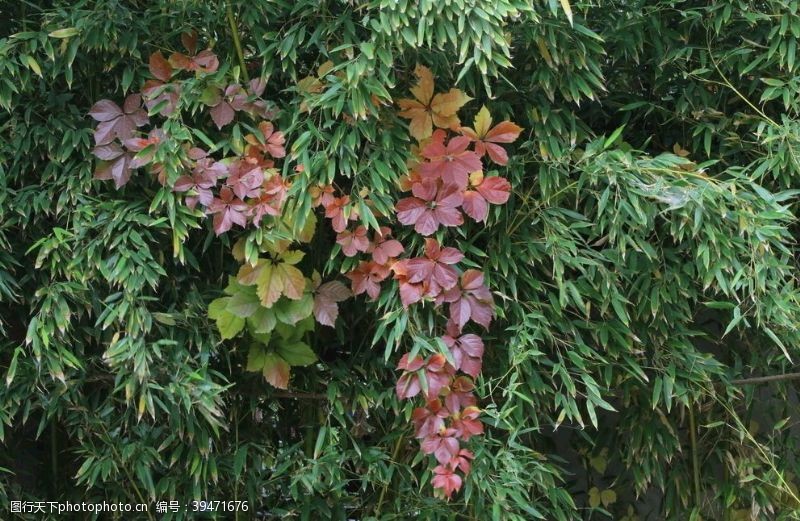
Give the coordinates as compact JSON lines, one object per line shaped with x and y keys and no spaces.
{"x":695,"y":458}
{"x":236,"y":42}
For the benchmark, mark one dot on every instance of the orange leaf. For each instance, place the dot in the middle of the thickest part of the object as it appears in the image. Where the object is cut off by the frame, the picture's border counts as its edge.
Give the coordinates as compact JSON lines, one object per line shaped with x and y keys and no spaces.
{"x":427,"y":109}
{"x":276,"y":371}
{"x":294,"y":283}
{"x":444,"y":108}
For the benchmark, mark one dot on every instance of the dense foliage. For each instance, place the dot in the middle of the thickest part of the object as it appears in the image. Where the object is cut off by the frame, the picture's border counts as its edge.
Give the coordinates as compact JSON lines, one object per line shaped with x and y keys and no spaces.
{"x":446,"y":259}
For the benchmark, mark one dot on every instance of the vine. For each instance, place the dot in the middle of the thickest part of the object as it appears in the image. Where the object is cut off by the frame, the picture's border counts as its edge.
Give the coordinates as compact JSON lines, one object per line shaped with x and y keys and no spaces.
{"x":270,"y":298}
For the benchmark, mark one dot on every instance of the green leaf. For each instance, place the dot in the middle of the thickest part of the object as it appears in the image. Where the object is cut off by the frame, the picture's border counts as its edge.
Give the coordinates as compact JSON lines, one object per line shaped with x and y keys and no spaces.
{"x":244,"y":303}
{"x":262,"y":321}
{"x":297,"y":353}
{"x":256,"y":358}
{"x":567,"y":9}
{"x":229,"y":325}
{"x":63,"y":33}
{"x":292,"y":311}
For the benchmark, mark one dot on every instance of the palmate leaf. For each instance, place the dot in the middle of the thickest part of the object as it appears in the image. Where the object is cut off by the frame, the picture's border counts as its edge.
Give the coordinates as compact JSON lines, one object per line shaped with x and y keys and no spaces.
{"x":228,"y":324}
{"x":262,"y":321}
{"x":292,"y":311}
{"x":427,"y":109}
{"x":244,"y":303}
{"x":274,"y":279}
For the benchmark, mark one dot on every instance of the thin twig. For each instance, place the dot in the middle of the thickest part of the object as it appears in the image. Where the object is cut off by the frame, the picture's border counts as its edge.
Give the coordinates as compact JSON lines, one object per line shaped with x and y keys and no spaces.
{"x":299,"y":395}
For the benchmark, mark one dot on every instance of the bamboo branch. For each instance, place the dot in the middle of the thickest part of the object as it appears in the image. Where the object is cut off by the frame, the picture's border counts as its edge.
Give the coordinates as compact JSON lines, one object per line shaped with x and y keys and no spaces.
{"x":236,"y":42}
{"x":766,"y":379}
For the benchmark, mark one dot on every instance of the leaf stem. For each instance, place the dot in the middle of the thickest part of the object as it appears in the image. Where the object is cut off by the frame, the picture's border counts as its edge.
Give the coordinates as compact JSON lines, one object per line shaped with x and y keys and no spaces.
{"x":236,"y":42}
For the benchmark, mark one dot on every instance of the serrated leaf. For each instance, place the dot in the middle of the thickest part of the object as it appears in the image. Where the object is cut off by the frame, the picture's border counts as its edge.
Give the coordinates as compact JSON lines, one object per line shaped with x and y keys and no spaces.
{"x":228,"y":324}
{"x":256,"y":358}
{"x":297,"y":353}
{"x":276,"y":370}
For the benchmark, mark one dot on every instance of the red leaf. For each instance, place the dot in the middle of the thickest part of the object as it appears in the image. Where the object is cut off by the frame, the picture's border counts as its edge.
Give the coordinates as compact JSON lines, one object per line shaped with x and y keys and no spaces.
{"x":466,"y":424}
{"x":446,"y":480}
{"x":443,"y":445}
{"x":385,"y":248}
{"x":451,"y":163}
{"x":467,"y":352}
{"x":354,"y":241}
{"x":335,"y":212}
{"x":222,"y":114}
{"x":366,"y":278}
{"x":429,"y":420}
{"x":408,"y":386}
{"x":189,"y":41}
{"x":227,"y":211}
{"x":160,"y":67}
{"x":434,"y":270}
{"x":427,"y":214}
{"x":475,"y":206}
{"x":105,"y":110}
{"x":325,"y":301}
{"x":494,"y":189}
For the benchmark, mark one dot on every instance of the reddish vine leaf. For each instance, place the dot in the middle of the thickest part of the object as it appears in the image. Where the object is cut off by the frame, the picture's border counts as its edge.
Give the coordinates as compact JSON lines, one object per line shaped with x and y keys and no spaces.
{"x":470,"y":300}
{"x":366,"y":278}
{"x":270,"y":141}
{"x":467,"y":350}
{"x":244,"y":179}
{"x":160,"y":67}
{"x":336,"y":212}
{"x":204,"y":177}
{"x":435,"y":270}
{"x":326,"y":299}
{"x":427,"y":109}
{"x":452,"y":162}
{"x":144,"y":148}
{"x":495,"y":190}
{"x":157,"y":93}
{"x":433,"y":205}
{"x":322,"y":195}
{"x":443,"y":445}
{"x":459,"y":395}
{"x":486,"y":138}
{"x":115,"y":122}
{"x":205,"y":62}
{"x":276,"y":370}
{"x":189,"y":41}
{"x":463,"y":461}
{"x":410,"y":292}
{"x":227,"y":210}
{"x":384,"y":247}
{"x":437,"y":374}
{"x":353,"y":241}
{"x":446,"y":480}
{"x":429,"y":420}
{"x":115,"y":165}
{"x":467,"y":424}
